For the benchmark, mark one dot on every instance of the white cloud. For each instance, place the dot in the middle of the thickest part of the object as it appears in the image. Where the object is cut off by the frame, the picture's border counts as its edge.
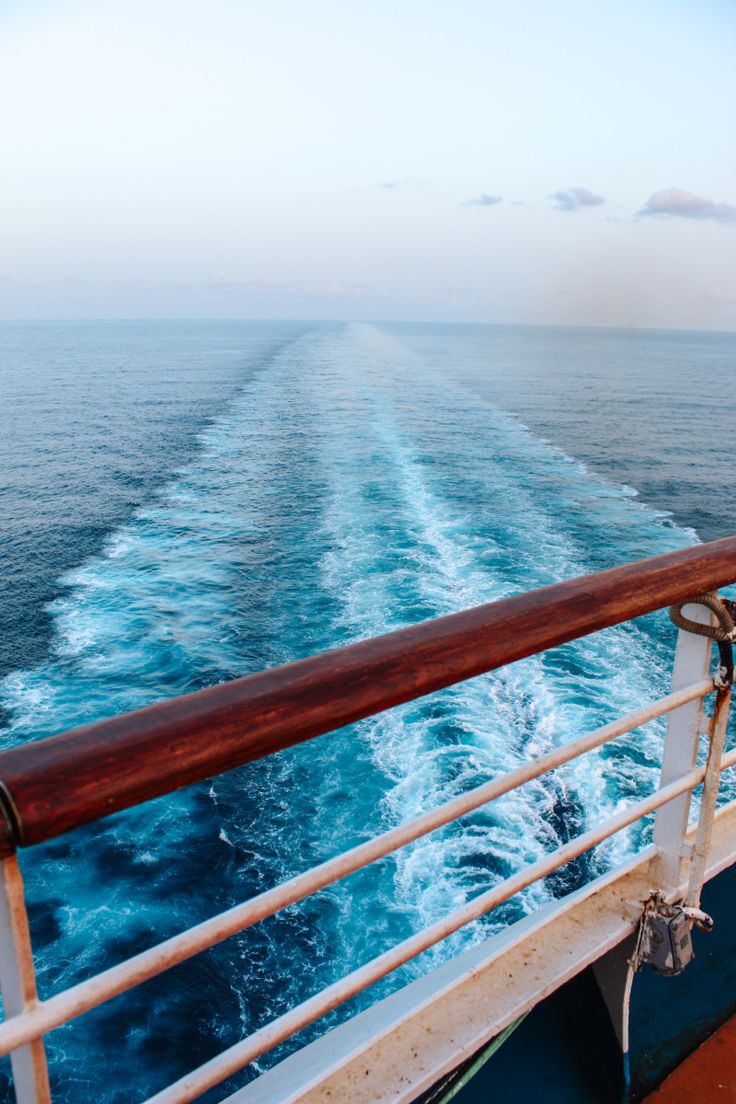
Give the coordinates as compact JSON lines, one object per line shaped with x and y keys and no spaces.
{"x":575,"y":198}
{"x":673,"y":201}
{"x":483,"y":200}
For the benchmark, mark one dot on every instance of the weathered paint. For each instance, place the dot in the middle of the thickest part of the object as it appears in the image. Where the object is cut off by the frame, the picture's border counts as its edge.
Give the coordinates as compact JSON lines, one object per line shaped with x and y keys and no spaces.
{"x":684,"y":726}
{"x":72,"y":1002}
{"x":18,"y":984}
{"x":401,"y":1046}
{"x":708,"y":1076}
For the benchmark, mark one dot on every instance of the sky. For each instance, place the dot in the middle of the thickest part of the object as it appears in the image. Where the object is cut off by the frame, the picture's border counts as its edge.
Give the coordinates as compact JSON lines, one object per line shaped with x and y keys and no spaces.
{"x":517,"y":162}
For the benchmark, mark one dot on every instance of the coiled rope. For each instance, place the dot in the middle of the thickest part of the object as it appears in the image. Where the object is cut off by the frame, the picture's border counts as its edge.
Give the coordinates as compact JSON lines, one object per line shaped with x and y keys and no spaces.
{"x":726,"y":630}
{"x":724,"y":633}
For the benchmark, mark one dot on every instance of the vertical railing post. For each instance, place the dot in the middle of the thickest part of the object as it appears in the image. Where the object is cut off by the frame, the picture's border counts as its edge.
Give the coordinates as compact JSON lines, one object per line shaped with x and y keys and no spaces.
{"x":692,"y":662}
{"x":711,"y":785}
{"x":18,"y":984}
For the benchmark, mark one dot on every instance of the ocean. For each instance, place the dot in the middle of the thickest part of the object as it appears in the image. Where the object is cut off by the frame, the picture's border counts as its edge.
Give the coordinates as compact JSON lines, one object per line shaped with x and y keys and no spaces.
{"x":187,"y":502}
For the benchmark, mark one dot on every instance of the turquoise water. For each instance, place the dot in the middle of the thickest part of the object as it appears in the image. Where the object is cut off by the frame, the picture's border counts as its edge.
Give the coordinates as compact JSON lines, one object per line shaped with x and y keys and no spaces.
{"x":186,"y":503}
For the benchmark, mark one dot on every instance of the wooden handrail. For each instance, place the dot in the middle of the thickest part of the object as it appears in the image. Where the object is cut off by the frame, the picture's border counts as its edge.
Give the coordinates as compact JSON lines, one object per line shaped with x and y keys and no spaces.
{"x":53,"y":785}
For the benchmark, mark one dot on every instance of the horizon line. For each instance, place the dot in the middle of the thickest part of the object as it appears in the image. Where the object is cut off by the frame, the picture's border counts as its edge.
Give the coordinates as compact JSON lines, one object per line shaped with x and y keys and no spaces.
{"x":371,"y":321}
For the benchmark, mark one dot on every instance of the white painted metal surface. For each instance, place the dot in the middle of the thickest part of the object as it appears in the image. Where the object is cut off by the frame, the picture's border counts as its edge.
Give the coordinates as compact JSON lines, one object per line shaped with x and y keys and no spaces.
{"x":711,"y":784}
{"x":665,"y":867}
{"x":692,"y":660}
{"x":236,"y":1057}
{"x":412,"y":1038}
{"x":89,"y":994}
{"x":18,"y":984}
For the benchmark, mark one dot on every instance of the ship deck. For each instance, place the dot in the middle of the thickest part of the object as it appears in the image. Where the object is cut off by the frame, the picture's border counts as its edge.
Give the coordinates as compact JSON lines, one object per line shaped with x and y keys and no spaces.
{"x":708,"y":1076}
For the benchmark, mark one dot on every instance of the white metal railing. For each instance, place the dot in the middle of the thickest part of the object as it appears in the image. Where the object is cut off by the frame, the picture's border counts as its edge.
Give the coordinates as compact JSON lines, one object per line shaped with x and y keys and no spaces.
{"x":28,"y":1019}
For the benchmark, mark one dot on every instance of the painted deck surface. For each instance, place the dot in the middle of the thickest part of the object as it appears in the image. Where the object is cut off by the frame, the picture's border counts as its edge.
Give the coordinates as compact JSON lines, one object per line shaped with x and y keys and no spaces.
{"x":669,"y":1017}
{"x":708,"y":1076}
{"x":576,"y":1059}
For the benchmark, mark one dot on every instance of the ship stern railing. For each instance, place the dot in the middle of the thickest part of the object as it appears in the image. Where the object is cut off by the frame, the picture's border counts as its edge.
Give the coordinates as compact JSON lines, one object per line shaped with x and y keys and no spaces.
{"x":52,"y":786}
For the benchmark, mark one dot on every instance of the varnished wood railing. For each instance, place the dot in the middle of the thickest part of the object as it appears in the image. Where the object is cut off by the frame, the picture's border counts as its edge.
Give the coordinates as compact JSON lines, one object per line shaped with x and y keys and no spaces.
{"x":59,"y":783}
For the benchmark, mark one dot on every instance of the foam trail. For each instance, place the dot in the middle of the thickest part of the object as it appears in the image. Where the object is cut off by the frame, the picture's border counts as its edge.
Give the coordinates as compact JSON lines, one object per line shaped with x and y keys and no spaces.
{"x":350,"y":488}
{"x":457,"y":559}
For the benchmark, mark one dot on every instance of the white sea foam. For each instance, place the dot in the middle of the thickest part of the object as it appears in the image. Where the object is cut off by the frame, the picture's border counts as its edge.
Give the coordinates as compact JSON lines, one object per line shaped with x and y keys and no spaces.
{"x":509,"y":715}
{"x":351,"y":488}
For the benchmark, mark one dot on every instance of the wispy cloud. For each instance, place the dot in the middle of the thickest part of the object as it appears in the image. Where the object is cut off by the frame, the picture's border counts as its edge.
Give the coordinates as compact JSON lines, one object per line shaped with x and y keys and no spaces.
{"x":575,"y":198}
{"x":483,"y":200}
{"x":405,"y":182}
{"x":721,"y":296}
{"x":673,"y":201}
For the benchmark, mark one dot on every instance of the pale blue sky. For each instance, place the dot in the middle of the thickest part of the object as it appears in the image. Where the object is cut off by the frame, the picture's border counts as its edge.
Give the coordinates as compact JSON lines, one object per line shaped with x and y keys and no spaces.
{"x":343,"y":160}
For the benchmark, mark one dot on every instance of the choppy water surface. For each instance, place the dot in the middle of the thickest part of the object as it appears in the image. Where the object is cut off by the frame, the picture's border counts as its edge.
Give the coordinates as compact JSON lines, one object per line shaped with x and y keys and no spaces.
{"x":189,"y":503}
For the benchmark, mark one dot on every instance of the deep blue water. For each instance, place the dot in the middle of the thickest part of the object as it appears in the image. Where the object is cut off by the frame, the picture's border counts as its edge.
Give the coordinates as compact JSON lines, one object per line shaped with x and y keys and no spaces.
{"x":187,"y":502}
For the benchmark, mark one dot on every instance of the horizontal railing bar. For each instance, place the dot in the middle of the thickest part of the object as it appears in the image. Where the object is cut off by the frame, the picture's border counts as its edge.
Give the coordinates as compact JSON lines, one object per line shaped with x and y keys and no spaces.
{"x":247,"y":1050}
{"x":89,"y":994}
{"x":51,"y":786}
{"x":728,"y":760}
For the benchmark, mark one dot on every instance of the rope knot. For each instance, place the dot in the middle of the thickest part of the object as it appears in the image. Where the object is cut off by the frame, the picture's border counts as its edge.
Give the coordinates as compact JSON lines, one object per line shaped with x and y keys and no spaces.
{"x":724,"y":633}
